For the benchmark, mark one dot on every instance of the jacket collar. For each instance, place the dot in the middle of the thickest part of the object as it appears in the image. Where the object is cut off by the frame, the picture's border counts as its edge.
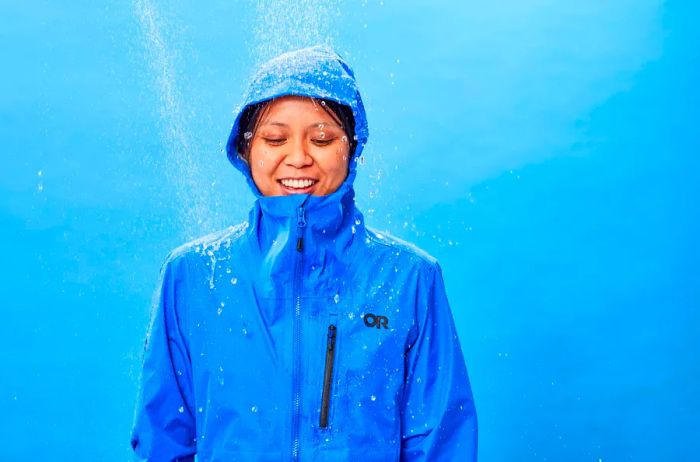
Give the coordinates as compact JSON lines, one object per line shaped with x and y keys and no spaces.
{"x":320,"y":220}
{"x":330,"y":230}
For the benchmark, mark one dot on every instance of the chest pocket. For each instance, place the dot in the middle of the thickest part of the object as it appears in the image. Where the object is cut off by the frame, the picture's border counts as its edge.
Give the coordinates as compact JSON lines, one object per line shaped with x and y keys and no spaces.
{"x":372,"y":368}
{"x":360,"y":378}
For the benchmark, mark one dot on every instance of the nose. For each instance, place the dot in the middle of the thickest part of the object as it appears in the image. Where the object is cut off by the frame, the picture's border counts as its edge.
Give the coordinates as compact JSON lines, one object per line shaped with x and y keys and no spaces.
{"x":297,"y":156}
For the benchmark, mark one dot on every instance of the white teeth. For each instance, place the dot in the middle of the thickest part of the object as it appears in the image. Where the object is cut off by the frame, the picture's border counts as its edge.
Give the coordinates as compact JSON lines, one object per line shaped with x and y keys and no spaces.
{"x":299,"y":184}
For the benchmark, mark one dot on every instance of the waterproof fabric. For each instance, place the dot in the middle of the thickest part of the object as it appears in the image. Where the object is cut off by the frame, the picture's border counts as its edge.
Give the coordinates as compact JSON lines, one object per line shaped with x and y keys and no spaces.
{"x":237,"y":348}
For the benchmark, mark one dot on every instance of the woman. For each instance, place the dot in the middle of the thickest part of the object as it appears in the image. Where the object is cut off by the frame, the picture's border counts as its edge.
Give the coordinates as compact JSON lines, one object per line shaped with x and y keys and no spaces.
{"x":301,"y":334}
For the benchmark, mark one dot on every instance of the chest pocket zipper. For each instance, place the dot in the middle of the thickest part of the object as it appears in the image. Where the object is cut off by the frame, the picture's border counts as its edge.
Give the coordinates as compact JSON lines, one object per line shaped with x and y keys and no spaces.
{"x":328,"y":375}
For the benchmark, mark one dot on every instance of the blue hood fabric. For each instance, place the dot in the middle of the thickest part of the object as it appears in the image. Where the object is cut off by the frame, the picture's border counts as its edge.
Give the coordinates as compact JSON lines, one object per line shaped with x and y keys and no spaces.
{"x":301,"y":334}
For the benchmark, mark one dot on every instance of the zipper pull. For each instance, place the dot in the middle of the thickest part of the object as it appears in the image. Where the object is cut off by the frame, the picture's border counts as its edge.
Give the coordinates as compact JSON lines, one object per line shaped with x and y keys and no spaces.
{"x":301,"y":222}
{"x":301,"y":219}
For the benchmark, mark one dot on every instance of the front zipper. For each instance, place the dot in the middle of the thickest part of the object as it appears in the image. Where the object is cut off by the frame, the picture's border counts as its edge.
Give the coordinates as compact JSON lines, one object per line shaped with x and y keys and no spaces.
{"x":296,"y":347}
{"x":328,"y":375}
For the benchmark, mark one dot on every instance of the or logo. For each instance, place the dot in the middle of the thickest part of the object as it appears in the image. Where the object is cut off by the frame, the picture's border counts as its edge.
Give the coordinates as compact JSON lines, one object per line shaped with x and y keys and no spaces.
{"x":373,"y":320}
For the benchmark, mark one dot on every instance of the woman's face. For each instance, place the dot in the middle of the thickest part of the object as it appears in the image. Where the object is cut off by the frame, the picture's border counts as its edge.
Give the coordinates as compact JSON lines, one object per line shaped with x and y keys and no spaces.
{"x":298,"y":147}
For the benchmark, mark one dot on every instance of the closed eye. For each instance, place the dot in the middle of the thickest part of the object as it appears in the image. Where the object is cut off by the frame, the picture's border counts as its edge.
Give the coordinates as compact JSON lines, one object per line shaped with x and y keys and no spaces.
{"x":275,"y":141}
{"x":322,"y":142}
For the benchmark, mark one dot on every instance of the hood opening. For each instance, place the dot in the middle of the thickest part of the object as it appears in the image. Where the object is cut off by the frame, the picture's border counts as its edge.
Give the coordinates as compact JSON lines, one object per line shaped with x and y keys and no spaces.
{"x":316,"y":72}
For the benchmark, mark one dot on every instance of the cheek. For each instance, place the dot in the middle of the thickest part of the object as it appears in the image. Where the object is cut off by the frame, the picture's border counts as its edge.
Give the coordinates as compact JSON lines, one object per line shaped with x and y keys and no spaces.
{"x":335,"y":163}
{"x":344,"y":153}
{"x":260,"y":160}
{"x":340,"y":160}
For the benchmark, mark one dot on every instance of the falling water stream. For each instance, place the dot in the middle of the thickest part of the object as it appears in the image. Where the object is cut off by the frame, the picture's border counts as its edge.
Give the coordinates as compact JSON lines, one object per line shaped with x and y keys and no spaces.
{"x":277,"y":27}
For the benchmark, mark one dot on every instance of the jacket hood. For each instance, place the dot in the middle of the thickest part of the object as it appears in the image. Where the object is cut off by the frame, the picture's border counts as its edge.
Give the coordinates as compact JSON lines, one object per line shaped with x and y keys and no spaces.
{"x":317,"y":72}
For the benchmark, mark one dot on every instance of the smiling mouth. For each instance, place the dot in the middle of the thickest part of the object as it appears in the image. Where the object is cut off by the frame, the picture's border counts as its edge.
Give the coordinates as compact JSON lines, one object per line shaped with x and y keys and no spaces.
{"x":297,"y":183}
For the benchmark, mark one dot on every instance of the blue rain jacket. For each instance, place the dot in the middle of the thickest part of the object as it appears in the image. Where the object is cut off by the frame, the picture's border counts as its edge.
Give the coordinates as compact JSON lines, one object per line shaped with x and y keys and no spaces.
{"x":302,"y":334}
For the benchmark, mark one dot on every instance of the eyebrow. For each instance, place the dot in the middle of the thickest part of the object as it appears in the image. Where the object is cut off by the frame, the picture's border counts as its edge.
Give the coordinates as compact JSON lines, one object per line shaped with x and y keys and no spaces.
{"x":316,"y":124}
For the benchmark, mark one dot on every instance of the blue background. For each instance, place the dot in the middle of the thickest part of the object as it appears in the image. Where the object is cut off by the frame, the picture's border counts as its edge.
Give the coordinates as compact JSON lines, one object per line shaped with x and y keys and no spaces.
{"x":545,"y":152}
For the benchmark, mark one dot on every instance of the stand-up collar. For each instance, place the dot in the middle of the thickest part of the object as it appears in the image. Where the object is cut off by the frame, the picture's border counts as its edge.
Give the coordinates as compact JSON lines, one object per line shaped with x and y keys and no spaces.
{"x":328,"y":226}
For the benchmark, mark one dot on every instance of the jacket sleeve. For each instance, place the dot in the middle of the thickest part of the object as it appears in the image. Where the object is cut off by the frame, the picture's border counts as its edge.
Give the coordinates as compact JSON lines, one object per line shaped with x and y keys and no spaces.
{"x":438,"y":419}
{"x":164,"y":424}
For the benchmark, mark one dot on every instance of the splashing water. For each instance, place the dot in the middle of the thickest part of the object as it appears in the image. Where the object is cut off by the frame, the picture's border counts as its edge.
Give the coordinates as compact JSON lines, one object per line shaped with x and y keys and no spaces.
{"x":277,"y":28}
{"x":183,"y":172}
{"x":281,"y":26}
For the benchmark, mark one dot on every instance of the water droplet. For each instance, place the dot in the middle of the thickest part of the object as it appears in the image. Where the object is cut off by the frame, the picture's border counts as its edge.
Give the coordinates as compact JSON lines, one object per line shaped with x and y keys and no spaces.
{"x":254,"y":409}
{"x":373,"y":398}
{"x":234,"y":281}
{"x":357,"y":221}
{"x":245,"y":331}
{"x":181,"y":409}
{"x":39,"y":173}
{"x":362,"y":160}
{"x":219,"y":311}
{"x":336,"y":298}
{"x":200,"y":409}
{"x":351,"y":315}
{"x":344,"y":139}
{"x":248,"y":135}
{"x":352,"y":228}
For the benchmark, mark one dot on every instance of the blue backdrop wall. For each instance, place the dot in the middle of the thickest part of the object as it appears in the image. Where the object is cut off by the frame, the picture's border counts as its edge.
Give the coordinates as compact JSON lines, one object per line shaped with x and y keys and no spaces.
{"x":545,"y":152}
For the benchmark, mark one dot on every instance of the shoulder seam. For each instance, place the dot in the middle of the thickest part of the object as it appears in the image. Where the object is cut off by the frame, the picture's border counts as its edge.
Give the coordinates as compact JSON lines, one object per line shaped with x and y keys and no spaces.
{"x":402,"y":245}
{"x":213,"y":240}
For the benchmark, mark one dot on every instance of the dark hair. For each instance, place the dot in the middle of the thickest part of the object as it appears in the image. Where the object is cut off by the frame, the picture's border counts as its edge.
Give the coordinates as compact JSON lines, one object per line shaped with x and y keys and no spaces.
{"x":252,"y":114}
